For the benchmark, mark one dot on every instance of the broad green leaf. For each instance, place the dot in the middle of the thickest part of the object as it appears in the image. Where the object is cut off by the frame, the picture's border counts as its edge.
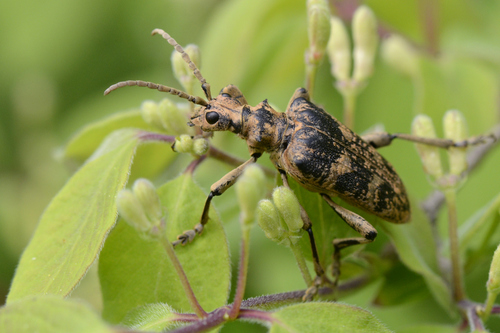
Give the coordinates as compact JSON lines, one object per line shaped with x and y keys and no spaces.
{"x":324,"y":317}
{"x":152,"y":317}
{"x":73,"y":228}
{"x":134,"y":271}
{"x":428,"y":328}
{"x":50,"y":314}
{"x":88,"y":139}
{"x":415,"y":245}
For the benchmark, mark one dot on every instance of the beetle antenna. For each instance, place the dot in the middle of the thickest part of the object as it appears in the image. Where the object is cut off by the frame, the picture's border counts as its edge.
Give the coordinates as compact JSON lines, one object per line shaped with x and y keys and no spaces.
{"x":204,"y":85}
{"x":159,"y":87}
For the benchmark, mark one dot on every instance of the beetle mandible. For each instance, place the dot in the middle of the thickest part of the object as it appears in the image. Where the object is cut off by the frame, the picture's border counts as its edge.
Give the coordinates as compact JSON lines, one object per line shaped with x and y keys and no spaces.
{"x":306,"y":143}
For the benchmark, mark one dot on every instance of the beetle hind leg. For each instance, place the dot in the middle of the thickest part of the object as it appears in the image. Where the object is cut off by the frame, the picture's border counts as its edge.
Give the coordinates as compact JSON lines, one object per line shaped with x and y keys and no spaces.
{"x":356,"y":222}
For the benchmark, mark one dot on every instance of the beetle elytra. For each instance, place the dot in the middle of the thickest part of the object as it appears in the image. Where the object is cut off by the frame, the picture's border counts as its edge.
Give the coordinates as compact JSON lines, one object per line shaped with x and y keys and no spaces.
{"x":305,"y":143}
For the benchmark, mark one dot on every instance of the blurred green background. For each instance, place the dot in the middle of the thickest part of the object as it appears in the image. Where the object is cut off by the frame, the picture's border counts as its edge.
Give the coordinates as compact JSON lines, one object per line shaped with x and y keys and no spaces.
{"x":56,"y":59}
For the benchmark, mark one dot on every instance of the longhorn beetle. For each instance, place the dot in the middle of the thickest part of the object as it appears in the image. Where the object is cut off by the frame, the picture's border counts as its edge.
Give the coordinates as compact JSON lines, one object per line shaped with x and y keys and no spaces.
{"x":307,"y":144}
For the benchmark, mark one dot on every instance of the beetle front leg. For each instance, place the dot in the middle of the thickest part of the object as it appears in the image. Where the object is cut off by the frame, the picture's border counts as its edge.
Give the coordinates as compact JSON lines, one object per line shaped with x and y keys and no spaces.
{"x":216,"y":189}
{"x":356,"y":222}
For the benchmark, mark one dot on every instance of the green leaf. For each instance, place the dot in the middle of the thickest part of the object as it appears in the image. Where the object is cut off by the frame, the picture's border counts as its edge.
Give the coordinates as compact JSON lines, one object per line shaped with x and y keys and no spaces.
{"x":134,"y":271}
{"x":50,"y":314}
{"x":88,"y":139}
{"x":72,"y":229}
{"x":415,"y":245}
{"x":429,"y":329}
{"x":325,"y":317}
{"x":152,"y":317}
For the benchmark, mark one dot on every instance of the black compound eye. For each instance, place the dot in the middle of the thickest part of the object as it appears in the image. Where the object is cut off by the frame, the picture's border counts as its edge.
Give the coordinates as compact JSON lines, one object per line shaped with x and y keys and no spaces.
{"x":212,"y":117}
{"x":226,"y":95}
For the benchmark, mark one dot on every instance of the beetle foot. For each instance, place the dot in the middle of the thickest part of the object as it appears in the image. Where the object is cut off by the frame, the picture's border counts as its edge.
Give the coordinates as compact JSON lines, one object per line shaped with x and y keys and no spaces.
{"x":188,"y":235}
{"x":313,"y":289}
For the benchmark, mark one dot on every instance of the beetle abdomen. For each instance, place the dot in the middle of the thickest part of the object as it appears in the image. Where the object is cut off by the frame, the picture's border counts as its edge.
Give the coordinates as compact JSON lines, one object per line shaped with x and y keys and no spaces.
{"x":325,"y":156}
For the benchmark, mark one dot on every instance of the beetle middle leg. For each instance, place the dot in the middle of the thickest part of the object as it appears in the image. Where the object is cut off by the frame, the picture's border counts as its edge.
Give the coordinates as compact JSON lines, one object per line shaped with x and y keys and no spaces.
{"x":216,"y":189}
{"x":356,"y":222}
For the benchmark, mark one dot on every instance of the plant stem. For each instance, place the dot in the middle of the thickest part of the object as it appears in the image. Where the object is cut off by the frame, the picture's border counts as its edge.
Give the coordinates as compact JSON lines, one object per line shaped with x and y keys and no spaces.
{"x":301,"y":262}
{"x":458,"y":287}
{"x":182,"y":276}
{"x":242,"y":271}
{"x":349,"y":96}
{"x":311,"y":70}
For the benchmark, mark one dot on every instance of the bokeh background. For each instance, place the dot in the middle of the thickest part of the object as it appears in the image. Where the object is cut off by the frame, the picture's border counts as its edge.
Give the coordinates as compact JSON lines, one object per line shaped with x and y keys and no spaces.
{"x":57,"y":57}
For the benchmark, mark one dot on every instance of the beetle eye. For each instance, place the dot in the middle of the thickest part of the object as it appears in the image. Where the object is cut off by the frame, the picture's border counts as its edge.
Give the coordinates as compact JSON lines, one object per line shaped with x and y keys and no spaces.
{"x":226,"y":95}
{"x":212,"y":117}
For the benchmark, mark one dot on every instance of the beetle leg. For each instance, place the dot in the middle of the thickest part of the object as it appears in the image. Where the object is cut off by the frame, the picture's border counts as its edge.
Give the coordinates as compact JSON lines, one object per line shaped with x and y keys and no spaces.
{"x":318,"y":269}
{"x":216,"y":189}
{"x":382,"y":139}
{"x":356,"y":222}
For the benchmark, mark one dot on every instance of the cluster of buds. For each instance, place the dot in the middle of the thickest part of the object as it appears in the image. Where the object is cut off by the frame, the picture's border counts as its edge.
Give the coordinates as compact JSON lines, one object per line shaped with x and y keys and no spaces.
{"x":365,"y":38}
{"x":187,"y":144}
{"x":455,"y":129}
{"x":140,"y":207}
{"x":280,"y":219}
{"x":166,"y":116}
{"x":400,"y":55}
{"x":181,"y":69}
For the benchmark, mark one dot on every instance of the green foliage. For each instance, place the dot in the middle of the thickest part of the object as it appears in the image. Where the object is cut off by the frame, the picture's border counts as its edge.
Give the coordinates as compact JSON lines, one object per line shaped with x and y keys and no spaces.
{"x":50,"y":89}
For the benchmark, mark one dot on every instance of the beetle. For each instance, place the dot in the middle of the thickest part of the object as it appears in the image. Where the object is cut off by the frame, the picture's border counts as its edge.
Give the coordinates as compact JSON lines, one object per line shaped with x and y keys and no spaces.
{"x":305,"y":143}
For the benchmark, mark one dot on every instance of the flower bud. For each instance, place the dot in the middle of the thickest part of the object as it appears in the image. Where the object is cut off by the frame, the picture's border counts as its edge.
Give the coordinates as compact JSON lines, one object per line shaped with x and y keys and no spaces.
{"x":172,"y":118}
{"x":131,"y":210}
{"x":455,"y":128}
{"x":288,"y":207}
{"x":399,"y":54}
{"x":200,"y":146}
{"x":250,"y":188}
{"x":149,"y":112}
{"x":146,"y":194}
{"x":269,"y":220}
{"x":364,"y":29}
{"x":181,"y":69}
{"x":493,"y":284}
{"x":422,"y":126}
{"x":339,"y":50}
{"x":318,"y":17}
{"x":183,"y":144}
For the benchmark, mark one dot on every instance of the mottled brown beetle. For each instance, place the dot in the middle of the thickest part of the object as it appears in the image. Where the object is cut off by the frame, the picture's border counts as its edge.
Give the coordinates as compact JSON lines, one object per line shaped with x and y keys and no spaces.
{"x":306,"y":143}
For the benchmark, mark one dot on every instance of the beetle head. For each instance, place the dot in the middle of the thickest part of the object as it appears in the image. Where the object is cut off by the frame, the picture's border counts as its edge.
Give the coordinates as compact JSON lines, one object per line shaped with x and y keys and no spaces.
{"x":223,"y":113}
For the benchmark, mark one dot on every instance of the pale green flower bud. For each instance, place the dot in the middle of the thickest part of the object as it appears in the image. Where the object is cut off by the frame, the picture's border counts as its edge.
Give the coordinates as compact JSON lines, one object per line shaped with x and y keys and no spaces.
{"x":422,"y":126}
{"x":493,"y":284}
{"x":146,"y":193}
{"x":269,"y":221}
{"x":339,"y":50}
{"x":181,"y":69}
{"x":250,"y":188}
{"x":288,"y":207}
{"x":173,"y":119}
{"x":149,"y":112}
{"x":183,"y":144}
{"x":455,"y":128}
{"x":200,"y":146}
{"x":399,"y":54}
{"x":318,"y":17}
{"x":131,"y":210}
{"x":364,"y":29}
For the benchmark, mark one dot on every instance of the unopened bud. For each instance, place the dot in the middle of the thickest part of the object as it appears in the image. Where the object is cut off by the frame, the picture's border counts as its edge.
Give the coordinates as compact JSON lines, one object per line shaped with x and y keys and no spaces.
{"x":181,"y":69}
{"x":173,"y":119}
{"x":399,"y":54}
{"x":455,"y":128}
{"x":493,"y":284}
{"x":150,"y":114}
{"x":183,"y":144}
{"x":422,"y":126}
{"x":288,"y":207}
{"x":269,"y":220}
{"x":318,"y":17}
{"x":200,"y":146}
{"x":132,"y":211}
{"x":339,"y":50}
{"x":250,"y":188}
{"x":364,"y":29}
{"x":146,"y":193}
